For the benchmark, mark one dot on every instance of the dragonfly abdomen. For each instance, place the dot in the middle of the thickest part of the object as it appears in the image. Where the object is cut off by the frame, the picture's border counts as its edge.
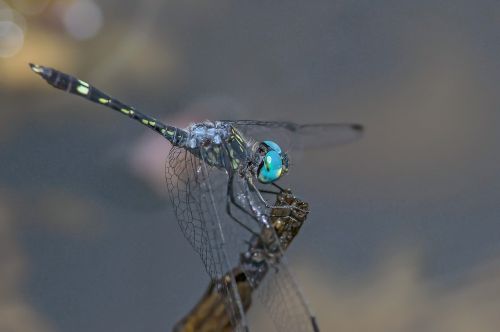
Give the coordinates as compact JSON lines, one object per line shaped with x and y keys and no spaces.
{"x":83,"y":89}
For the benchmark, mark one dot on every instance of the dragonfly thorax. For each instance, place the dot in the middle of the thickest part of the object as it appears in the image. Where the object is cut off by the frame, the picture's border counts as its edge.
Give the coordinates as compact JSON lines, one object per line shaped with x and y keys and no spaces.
{"x":206,"y":133}
{"x":218,"y":144}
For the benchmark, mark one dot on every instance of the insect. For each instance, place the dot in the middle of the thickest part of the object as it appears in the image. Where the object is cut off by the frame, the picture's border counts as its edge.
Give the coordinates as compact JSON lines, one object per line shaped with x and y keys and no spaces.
{"x":210,"y":314}
{"x":218,"y":174}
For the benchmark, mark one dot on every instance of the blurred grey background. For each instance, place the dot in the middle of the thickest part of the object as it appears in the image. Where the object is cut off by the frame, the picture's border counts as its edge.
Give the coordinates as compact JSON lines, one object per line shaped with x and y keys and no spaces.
{"x":404,"y":233}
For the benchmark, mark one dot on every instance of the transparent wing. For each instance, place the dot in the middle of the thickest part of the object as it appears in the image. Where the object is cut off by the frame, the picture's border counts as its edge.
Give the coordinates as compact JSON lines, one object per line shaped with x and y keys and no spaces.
{"x":185,"y":178}
{"x":296,"y":136}
{"x":199,"y":194}
{"x":281,"y":296}
{"x":277,"y":290}
{"x":195,"y":190}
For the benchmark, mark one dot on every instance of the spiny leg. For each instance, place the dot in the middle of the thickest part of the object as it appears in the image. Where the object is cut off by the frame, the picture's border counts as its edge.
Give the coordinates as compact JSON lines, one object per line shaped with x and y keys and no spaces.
{"x":273,"y":194}
{"x":80,"y":88}
{"x":231,"y":200}
{"x":314,"y":324}
{"x":281,"y":189}
{"x":231,"y":195}
{"x":230,"y":213}
{"x":265,"y":191}
{"x":269,"y":206}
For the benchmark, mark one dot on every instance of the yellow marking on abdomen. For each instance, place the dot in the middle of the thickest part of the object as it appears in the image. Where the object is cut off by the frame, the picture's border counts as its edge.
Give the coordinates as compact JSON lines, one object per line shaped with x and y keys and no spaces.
{"x":84,"y":83}
{"x":83,"y":90}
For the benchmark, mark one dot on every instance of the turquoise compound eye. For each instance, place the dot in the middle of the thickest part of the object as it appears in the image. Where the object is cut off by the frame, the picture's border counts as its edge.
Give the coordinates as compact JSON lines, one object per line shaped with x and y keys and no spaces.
{"x":271,"y":167}
{"x":273,"y":146}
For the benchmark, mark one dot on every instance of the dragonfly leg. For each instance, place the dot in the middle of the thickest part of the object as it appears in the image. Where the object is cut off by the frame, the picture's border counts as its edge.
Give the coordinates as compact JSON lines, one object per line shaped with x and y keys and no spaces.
{"x":268,"y":191}
{"x":232,"y":200}
{"x":314,"y":324}
{"x":281,"y":189}
{"x":229,"y":212}
{"x":269,"y":206}
{"x":275,"y":194}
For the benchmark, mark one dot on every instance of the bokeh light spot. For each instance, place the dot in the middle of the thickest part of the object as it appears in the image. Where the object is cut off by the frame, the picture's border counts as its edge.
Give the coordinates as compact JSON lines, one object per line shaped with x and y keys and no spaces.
{"x":83,"y":19}
{"x":11,"y":39}
{"x":5,"y":12}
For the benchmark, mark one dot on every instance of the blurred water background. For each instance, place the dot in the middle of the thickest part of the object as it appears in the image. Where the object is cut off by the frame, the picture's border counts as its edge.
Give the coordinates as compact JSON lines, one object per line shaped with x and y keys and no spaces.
{"x":404,"y":233}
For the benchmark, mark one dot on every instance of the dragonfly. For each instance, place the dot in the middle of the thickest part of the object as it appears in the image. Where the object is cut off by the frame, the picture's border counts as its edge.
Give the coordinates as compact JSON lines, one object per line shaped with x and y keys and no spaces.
{"x":210,"y":313}
{"x":219,"y":176}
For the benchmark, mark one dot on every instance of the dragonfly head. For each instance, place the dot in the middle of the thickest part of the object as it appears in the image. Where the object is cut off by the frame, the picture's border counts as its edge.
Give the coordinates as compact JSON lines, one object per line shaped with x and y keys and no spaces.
{"x":272,"y":162}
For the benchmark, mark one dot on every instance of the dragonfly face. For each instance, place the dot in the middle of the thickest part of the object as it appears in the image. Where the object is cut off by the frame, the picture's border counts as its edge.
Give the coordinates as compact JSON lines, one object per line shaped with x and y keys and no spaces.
{"x":272,"y":162}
